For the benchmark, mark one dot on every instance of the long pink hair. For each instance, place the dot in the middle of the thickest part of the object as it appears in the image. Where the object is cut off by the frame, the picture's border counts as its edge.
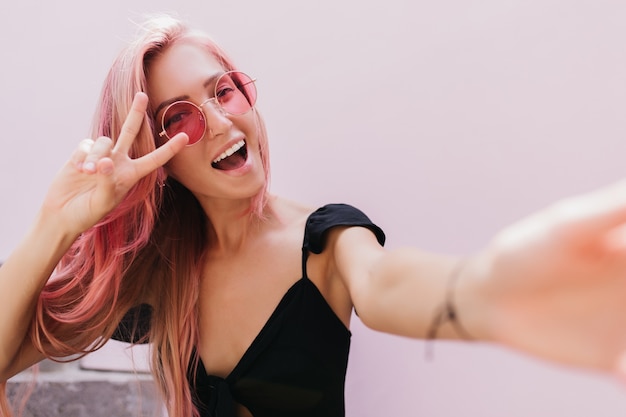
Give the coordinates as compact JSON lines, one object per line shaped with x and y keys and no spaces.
{"x":154,"y":242}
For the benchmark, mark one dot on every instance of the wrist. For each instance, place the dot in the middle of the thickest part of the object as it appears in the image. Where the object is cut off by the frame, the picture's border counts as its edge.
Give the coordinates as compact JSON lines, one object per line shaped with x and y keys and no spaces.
{"x":49,"y":230}
{"x":470,"y":296}
{"x":447,"y":312}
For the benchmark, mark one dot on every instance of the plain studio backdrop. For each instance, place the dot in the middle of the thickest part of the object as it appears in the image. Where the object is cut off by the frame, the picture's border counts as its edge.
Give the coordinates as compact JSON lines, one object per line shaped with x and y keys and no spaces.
{"x":444,"y":121}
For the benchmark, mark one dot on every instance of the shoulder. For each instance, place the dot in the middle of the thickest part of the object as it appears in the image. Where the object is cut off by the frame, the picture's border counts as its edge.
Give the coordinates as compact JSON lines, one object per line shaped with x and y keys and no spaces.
{"x":285,"y":216}
{"x":335,"y":229}
{"x":352,"y":244}
{"x":337,"y":217}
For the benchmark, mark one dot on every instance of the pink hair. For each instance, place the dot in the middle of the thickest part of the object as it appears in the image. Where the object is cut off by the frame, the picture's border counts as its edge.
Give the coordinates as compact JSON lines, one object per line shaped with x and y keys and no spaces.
{"x":153,"y":242}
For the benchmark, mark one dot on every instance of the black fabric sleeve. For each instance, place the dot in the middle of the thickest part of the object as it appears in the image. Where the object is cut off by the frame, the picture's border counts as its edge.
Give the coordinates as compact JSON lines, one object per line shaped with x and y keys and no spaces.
{"x":332,"y":215}
{"x":135,"y":325}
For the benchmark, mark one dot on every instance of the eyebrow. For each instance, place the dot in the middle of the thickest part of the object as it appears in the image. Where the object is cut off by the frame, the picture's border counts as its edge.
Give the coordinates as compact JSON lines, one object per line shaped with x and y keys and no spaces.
{"x":210,"y":80}
{"x":168,"y":102}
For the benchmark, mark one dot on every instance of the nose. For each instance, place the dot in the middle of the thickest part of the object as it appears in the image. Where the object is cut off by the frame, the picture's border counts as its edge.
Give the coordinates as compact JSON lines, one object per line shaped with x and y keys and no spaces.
{"x":217,"y":120}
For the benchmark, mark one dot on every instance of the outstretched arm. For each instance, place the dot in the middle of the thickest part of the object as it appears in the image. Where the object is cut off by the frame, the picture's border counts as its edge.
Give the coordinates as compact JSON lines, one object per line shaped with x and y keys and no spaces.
{"x":94,"y":181}
{"x":552,"y":285}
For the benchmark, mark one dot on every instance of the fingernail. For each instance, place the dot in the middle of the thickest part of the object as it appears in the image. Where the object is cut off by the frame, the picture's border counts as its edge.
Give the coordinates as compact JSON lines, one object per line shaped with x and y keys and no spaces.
{"x":89,"y":167}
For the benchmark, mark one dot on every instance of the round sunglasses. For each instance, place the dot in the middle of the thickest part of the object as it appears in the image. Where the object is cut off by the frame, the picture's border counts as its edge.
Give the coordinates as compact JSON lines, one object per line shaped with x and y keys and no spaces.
{"x":235,"y":94}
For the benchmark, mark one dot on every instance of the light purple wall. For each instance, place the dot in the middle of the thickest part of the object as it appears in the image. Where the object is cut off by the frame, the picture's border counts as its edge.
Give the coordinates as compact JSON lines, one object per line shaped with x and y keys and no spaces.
{"x":442,"y":120}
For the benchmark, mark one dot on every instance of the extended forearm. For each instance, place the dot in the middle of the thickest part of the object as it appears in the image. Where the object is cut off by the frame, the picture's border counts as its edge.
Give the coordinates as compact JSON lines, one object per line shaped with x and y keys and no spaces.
{"x":416,"y":294}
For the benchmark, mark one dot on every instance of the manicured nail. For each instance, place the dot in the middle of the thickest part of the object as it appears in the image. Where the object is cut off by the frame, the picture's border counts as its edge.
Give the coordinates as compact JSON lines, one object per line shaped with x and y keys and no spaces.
{"x":89,"y":167}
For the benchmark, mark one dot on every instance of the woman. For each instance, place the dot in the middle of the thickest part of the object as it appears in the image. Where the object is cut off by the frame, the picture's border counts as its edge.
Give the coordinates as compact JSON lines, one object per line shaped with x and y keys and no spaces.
{"x":161,"y":229}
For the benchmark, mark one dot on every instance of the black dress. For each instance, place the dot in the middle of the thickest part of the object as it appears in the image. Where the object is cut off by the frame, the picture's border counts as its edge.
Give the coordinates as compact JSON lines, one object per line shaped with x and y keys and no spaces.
{"x":296,"y":366}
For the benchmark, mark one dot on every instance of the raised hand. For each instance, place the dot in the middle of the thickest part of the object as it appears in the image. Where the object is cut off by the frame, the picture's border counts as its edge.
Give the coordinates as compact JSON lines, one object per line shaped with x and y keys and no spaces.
{"x":100,"y":173}
{"x":558,"y":282}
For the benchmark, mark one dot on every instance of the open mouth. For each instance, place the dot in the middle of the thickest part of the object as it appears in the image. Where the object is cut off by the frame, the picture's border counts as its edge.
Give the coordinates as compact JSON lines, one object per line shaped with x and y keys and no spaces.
{"x":232,"y":158}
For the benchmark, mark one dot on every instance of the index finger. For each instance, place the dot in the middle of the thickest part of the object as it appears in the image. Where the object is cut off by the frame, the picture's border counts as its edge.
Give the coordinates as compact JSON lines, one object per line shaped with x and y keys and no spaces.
{"x":132,"y":123}
{"x":158,"y":157}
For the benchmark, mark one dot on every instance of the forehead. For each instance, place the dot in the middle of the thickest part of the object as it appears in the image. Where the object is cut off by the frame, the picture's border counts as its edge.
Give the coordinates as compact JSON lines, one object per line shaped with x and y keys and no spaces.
{"x":181,"y":70}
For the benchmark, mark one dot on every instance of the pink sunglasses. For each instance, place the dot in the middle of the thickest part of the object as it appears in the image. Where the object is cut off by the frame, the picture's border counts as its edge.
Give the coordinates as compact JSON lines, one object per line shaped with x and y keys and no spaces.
{"x":235,"y":94}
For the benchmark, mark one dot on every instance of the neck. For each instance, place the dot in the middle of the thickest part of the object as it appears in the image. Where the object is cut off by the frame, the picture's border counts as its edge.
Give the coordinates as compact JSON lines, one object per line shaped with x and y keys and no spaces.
{"x":232,"y":224}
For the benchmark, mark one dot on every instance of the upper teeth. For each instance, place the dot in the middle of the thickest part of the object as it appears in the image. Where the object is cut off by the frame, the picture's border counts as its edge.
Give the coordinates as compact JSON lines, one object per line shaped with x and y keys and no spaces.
{"x":228,"y":152}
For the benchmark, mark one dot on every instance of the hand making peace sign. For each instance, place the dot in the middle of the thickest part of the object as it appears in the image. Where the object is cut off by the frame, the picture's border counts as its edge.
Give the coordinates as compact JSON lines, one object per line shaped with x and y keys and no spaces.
{"x":100,"y":173}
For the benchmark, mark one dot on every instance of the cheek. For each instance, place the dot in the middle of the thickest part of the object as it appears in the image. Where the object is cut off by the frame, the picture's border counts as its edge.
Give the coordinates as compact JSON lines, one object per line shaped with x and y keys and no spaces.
{"x":248,"y":124}
{"x":179,"y":166}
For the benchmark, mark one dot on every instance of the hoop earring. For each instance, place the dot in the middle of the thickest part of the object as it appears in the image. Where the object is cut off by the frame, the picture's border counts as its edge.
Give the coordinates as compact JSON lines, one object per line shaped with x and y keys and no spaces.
{"x":161,"y":178}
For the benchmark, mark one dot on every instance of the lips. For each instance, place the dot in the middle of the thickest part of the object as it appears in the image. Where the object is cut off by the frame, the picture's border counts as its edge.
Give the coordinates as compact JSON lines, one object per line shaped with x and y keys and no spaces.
{"x":232,"y":158}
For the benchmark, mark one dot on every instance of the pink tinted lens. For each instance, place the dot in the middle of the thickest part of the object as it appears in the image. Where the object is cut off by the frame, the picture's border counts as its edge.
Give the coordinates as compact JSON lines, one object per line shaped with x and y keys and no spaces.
{"x":236,"y":92}
{"x":185,"y":117}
